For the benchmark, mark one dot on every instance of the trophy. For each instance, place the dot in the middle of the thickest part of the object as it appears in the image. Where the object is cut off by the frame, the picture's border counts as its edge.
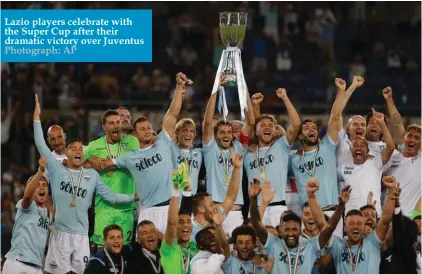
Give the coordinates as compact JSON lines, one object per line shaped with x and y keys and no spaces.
{"x":232,"y":32}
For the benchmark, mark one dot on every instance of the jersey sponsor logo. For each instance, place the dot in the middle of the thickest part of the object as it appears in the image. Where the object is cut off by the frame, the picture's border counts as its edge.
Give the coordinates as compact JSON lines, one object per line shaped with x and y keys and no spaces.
{"x":181,"y":159}
{"x":67,"y":187}
{"x":43,"y":223}
{"x":345,"y":257}
{"x":146,"y":163}
{"x":268,"y":159}
{"x":282,"y":257}
{"x":348,"y":170}
{"x":309,"y":165}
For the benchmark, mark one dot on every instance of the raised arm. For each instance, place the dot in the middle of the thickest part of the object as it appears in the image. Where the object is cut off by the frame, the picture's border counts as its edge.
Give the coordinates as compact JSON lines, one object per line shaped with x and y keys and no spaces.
{"x":33,"y":184}
{"x":394,"y":114}
{"x":170,"y":119}
{"x":388,"y":209}
{"x":336,"y":112}
{"x":40,"y":141}
{"x":259,"y":228}
{"x":173,"y":216}
{"x":233,"y":188}
{"x":267,"y":197}
{"x":389,"y":149}
{"x":327,"y":232}
{"x":257,"y":99}
{"x":293,"y":129}
{"x":250,"y":119}
{"x":218,"y":219}
{"x":108,"y":195}
{"x":207,"y":126}
{"x":357,"y":82}
{"x":312,"y":186}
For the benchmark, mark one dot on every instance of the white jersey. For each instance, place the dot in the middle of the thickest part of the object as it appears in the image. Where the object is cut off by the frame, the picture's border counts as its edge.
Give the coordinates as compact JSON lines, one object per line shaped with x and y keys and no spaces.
{"x":362,"y":179}
{"x":408,"y":173}
{"x":344,"y":154}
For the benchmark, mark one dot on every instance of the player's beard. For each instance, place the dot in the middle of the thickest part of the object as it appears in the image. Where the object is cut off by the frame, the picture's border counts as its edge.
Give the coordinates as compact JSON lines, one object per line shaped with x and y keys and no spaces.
{"x":310,"y":143}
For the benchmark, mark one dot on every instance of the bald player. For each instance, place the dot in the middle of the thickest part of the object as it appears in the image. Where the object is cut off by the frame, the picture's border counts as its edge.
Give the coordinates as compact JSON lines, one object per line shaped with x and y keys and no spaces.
{"x":56,"y":138}
{"x":125,"y":121}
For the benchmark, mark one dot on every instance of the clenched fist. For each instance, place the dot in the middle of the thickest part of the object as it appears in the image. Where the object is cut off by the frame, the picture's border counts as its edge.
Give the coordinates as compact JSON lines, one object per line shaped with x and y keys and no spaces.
{"x":387,"y":92}
{"x":281,"y":93}
{"x":257,"y":98}
{"x":358,"y":81}
{"x":340,"y":84}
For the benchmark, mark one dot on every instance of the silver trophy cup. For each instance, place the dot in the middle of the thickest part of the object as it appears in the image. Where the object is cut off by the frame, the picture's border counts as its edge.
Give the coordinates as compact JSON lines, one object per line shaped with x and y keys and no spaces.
{"x":232,"y":32}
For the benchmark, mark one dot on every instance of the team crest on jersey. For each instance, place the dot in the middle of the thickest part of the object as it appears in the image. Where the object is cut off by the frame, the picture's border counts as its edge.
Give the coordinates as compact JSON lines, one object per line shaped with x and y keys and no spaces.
{"x":381,"y":147}
{"x":124,"y":146}
{"x":86,"y":176}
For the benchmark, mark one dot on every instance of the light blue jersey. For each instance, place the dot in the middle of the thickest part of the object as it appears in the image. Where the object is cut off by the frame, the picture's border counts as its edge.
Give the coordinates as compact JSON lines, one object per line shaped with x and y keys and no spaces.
{"x":303,"y":239}
{"x":151,"y":168}
{"x":325,"y":173}
{"x":275,"y":166}
{"x":30,"y":233}
{"x":193,"y":160}
{"x":236,"y":266}
{"x":196,"y":227}
{"x":309,"y":251}
{"x":73,"y":219}
{"x":218,"y":177}
{"x":369,"y":255}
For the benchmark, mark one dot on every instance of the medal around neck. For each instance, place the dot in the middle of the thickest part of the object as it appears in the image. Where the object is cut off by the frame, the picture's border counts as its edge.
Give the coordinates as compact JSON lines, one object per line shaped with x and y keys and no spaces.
{"x":181,"y":177}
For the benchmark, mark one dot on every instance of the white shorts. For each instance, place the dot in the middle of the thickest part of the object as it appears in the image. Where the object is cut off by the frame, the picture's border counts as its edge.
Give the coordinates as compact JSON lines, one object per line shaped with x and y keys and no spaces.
{"x":233,"y":220}
{"x":272,"y":215}
{"x":67,"y":252}
{"x":158,"y":215}
{"x":339,"y":229}
{"x":16,"y":267}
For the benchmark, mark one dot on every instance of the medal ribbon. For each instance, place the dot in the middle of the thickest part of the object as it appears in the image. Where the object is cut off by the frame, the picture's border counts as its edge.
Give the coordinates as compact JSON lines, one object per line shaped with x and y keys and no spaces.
{"x":262,"y":169}
{"x":151,"y":260}
{"x":185,"y":263}
{"x":226,"y":163}
{"x":314,"y":163}
{"x":122,"y":268}
{"x":244,"y":267}
{"x":354,"y":265}
{"x":305,"y":236}
{"x":188,"y":165}
{"x":109,"y":151}
{"x":290,"y":261}
{"x":73,"y":182}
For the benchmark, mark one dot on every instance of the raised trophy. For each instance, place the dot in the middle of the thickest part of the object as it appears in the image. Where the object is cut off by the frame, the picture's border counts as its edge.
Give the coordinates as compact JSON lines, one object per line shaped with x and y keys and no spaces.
{"x":232,"y":32}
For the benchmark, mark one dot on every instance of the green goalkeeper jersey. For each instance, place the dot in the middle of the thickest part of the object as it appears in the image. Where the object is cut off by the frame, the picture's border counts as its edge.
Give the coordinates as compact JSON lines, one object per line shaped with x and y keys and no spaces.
{"x":119,"y":180}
